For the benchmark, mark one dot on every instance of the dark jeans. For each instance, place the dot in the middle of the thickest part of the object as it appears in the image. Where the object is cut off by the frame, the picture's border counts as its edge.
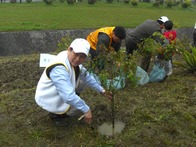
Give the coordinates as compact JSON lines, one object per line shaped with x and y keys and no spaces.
{"x":194,"y":38}
{"x":131,"y":45}
{"x":145,"y":63}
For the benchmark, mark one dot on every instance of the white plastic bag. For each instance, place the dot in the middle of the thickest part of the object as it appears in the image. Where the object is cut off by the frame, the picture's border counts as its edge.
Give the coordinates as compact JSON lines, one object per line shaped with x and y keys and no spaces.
{"x":168,"y":67}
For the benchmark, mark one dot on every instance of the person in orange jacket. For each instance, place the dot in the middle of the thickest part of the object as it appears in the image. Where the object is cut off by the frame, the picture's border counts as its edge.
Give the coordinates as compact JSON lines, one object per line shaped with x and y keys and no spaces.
{"x":110,"y":37}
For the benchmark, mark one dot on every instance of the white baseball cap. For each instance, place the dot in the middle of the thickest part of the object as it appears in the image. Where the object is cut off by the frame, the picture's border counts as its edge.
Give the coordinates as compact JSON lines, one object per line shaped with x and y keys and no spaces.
{"x":163,"y":19}
{"x":80,"y":45}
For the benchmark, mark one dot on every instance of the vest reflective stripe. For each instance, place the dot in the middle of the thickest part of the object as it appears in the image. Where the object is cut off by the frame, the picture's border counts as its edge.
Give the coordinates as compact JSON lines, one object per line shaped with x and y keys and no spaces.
{"x":46,"y":95}
{"x":49,"y":68}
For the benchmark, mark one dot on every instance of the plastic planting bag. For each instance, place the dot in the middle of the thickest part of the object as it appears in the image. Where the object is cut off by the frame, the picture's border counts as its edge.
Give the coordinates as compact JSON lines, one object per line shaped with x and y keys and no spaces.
{"x":168,"y":67}
{"x":142,"y":76}
{"x":116,"y":83}
{"x":157,"y":74}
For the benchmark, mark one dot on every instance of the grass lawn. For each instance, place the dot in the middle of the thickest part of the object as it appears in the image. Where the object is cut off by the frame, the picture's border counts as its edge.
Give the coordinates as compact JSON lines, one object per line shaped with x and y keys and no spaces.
{"x":39,"y":16}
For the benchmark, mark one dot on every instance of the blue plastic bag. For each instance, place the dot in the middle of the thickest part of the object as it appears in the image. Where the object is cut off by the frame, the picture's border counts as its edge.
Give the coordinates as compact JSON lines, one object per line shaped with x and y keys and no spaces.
{"x":116,"y":83}
{"x":157,"y":74}
{"x":142,"y":76}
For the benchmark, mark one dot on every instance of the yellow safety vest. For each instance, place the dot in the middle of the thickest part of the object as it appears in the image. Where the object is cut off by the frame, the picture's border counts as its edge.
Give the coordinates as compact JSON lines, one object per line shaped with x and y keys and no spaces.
{"x":93,"y":36}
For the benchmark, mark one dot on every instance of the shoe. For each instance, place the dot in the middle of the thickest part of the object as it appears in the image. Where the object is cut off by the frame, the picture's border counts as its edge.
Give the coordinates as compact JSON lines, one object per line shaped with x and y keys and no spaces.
{"x":57,"y":117}
{"x":168,"y":67}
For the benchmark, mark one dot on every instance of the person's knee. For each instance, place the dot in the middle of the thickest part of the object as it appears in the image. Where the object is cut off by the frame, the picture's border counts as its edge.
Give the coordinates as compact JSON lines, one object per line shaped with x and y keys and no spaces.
{"x":130,"y":46}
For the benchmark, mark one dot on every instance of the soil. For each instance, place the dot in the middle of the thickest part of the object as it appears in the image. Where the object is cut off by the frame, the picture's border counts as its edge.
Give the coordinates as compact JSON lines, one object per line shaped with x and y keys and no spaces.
{"x":155,"y":104}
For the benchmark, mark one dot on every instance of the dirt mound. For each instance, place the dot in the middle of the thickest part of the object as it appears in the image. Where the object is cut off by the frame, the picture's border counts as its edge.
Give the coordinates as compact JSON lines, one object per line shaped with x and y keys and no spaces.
{"x":19,"y":74}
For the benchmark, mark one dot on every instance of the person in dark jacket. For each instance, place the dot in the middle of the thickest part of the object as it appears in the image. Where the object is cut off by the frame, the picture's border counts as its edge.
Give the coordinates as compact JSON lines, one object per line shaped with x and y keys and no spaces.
{"x":141,"y":32}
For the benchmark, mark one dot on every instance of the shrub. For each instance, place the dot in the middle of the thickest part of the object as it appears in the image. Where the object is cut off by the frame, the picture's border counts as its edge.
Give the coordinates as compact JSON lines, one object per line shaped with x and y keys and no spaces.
{"x":64,"y":43}
{"x":134,"y":2}
{"x":148,"y":47}
{"x":168,"y":51}
{"x":62,"y":1}
{"x":109,"y":65}
{"x":91,"y":1}
{"x":161,"y":2}
{"x":109,"y":1}
{"x":176,"y":2}
{"x":48,"y":2}
{"x":146,"y":1}
{"x":126,"y":1}
{"x":156,"y":3}
{"x":186,"y":3}
{"x":190,"y":59}
{"x":28,"y":1}
{"x":71,"y":2}
{"x":12,"y":1}
{"x":169,"y":3}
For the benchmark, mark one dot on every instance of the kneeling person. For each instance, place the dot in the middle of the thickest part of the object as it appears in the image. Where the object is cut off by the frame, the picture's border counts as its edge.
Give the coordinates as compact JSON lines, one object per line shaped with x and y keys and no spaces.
{"x":63,"y":80}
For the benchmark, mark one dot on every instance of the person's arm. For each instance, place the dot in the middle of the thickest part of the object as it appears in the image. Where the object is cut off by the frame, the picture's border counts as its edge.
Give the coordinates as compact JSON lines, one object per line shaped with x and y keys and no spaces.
{"x":90,"y":81}
{"x":93,"y":83}
{"x":61,"y":79}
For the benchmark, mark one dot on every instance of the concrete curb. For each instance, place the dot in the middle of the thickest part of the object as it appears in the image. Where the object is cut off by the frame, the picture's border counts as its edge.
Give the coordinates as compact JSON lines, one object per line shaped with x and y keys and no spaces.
{"x":28,"y":42}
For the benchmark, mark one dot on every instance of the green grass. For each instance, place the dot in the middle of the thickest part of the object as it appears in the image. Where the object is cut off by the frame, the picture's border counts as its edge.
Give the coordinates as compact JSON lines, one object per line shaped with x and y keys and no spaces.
{"x":39,"y":16}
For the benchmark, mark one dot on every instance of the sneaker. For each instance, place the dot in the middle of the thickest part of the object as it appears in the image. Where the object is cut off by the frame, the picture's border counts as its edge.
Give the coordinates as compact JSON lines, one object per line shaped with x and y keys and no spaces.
{"x":168,"y":67}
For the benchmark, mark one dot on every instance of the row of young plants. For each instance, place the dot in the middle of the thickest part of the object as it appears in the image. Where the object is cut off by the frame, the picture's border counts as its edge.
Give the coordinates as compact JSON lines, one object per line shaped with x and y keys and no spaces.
{"x":171,"y":3}
{"x":120,"y":63}
{"x":114,"y":69}
{"x":155,"y":3}
{"x":181,"y":46}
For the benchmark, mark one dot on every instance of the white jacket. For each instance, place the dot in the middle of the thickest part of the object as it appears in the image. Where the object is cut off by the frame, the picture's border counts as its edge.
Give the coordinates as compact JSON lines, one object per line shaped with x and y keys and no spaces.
{"x":47,"y":96}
